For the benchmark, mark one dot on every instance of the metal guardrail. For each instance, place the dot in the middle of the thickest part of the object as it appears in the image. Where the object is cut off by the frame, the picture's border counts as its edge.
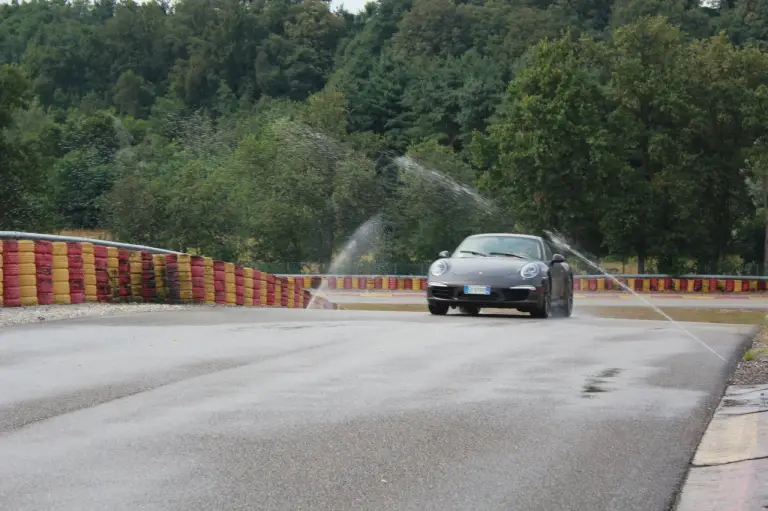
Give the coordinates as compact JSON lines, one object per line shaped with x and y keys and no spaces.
{"x":18,"y":235}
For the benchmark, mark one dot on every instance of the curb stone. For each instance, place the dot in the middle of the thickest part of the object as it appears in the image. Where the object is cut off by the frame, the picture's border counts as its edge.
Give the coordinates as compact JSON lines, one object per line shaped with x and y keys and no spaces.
{"x":730,"y":468}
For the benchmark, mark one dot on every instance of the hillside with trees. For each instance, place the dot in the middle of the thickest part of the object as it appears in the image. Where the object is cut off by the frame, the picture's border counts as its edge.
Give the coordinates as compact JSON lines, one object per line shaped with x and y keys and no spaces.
{"x":267,"y":131}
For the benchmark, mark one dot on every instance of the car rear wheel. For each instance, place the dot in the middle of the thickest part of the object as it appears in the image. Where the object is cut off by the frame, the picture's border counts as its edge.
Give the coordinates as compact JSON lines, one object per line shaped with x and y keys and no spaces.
{"x":437,"y":309}
{"x":545,"y":309}
{"x":470,"y":310}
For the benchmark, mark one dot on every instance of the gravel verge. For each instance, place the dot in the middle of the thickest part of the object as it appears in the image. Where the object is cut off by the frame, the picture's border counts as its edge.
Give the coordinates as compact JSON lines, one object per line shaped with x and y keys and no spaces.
{"x":19,"y":315}
{"x":755,"y":371}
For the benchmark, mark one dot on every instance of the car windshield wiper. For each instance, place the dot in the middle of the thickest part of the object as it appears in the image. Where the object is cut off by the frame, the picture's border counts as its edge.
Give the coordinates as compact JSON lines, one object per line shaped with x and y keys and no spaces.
{"x":473,"y":253}
{"x":508,"y":254}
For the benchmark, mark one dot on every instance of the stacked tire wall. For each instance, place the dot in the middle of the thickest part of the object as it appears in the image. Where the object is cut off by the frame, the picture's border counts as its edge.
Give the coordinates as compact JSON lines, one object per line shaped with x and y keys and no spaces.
{"x":36,"y":273}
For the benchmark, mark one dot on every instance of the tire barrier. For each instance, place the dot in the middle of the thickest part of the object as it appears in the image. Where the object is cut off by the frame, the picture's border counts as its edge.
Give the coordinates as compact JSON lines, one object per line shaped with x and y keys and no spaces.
{"x":220,"y":288}
{"x":44,"y":272}
{"x":101,"y":265}
{"x":25,"y":250}
{"x":197,"y":271}
{"x":148,"y":283}
{"x":161,"y":292}
{"x":210,"y":281}
{"x":230,"y":287}
{"x":239,"y":286}
{"x":60,"y":273}
{"x":248,"y":287}
{"x":11,"y":291}
{"x":123,"y":273}
{"x":77,"y":273}
{"x":691,"y":284}
{"x":113,"y":270}
{"x":47,"y":273}
{"x":136,"y":275}
{"x":270,"y":290}
{"x":89,"y":273}
{"x":263,"y":288}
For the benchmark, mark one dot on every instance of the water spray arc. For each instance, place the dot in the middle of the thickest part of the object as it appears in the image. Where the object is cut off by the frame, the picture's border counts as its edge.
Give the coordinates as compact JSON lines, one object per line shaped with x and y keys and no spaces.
{"x":357,"y":245}
{"x":362,"y":240}
{"x":560,"y":241}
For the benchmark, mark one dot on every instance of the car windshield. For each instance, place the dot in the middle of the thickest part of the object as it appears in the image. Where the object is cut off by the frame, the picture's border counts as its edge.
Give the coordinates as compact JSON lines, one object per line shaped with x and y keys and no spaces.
{"x":499,"y":246}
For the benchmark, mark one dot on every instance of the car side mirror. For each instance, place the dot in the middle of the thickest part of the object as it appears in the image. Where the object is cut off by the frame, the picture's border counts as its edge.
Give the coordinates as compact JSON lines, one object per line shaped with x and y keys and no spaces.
{"x":444,"y":253}
{"x":558,"y":258}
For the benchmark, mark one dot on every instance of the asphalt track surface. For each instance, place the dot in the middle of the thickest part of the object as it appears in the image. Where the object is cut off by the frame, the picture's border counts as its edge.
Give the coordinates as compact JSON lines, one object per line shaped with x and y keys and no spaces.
{"x":312,"y":409}
{"x":595,"y":300}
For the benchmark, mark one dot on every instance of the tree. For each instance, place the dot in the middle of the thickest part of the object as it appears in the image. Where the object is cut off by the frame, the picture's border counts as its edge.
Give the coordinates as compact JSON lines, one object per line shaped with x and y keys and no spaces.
{"x":647,"y":87}
{"x":554,"y":149}
{"x":23,"y":176}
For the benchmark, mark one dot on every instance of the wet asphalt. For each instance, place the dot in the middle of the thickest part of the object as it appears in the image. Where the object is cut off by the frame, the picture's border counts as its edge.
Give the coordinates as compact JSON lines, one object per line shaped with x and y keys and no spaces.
{"x":594,"y":300}
{"x":233,"y":409}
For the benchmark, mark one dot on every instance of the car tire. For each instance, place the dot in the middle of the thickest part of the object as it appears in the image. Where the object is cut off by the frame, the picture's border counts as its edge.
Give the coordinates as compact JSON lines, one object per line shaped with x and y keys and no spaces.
{"x":437,"y":309}
{"x":470,"y":310}
{"x":545,"y":310}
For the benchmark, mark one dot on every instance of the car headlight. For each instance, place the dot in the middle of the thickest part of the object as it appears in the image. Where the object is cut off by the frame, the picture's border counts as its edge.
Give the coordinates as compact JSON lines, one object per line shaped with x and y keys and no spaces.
{"x":529,"y":271}
{"x":438,"y":268}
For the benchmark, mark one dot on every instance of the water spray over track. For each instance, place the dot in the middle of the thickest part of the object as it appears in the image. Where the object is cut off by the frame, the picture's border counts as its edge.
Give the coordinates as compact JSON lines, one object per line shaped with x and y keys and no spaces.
{"x":558,"y":240}
{"x":357,"y":245}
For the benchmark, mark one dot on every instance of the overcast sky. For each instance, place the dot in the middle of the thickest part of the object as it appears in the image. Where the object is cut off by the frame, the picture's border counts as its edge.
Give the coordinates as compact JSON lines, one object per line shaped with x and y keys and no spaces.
{"x":350,"y":5}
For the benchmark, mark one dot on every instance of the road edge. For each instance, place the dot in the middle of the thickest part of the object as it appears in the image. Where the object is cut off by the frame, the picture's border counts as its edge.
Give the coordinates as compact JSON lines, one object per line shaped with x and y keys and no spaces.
{"x":725,"y":445}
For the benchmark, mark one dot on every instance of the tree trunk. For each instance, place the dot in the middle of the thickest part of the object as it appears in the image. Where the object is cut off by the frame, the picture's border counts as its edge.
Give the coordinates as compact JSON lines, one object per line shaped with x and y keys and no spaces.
{"x":641,"y":262}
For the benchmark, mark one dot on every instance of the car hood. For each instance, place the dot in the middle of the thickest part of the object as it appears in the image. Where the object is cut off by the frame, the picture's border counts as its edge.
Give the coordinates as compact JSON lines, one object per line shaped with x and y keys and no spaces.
{"x":490,"y":266}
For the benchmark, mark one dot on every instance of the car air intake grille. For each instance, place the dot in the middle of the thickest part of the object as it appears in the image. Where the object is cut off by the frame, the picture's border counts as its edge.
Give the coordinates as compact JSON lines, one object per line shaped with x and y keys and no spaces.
{"x":515,"y":295}
{"x":445,"y":293}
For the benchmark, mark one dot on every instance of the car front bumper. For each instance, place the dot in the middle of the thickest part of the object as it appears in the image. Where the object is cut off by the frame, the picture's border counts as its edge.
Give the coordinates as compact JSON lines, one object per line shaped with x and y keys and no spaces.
{"x":523,"y":296}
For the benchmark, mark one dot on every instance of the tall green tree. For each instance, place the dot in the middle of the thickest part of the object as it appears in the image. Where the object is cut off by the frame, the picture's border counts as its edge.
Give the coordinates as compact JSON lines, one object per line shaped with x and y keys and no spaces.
{"x":554,"y":149}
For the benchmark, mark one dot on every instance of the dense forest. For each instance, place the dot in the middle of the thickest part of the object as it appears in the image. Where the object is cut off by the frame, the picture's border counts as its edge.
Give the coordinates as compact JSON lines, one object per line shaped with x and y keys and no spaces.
{"x":269,"y":130}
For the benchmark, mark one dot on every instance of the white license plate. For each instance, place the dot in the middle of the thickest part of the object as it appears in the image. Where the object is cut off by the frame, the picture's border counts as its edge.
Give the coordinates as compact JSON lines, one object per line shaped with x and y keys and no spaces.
{"x":477,"y":290}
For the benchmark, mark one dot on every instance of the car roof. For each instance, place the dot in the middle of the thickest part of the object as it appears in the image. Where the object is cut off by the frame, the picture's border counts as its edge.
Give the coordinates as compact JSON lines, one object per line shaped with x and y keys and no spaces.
{"x":508,"y":234}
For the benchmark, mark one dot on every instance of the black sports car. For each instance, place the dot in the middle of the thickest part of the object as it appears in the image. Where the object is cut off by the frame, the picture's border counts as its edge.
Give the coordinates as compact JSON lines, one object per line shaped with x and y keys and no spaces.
{"x":507,"y":271}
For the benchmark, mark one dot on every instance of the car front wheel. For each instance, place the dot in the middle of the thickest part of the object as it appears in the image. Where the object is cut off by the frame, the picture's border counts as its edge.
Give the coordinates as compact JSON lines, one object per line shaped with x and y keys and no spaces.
{"x":544,"y":310}
{"x":437,"y":309}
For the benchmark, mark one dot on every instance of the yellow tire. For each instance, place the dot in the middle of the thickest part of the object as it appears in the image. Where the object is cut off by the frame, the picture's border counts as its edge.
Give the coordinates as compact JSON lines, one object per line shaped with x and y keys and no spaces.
{"x":27,"y":269}
{"x":26,"y":246}
{"x":28,"y":292}
{"x":27,"y":281}
{"x":60,"y":288}
{"x":60,"y":249}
